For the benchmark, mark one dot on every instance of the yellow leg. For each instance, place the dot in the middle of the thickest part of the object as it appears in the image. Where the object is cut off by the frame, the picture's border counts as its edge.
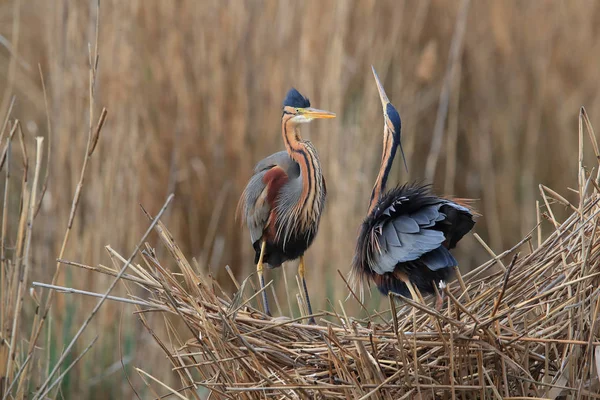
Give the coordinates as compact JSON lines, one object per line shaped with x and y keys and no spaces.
{"x":301,"y":274}
{"x":409,"y":285}
{"x":261,"y":278}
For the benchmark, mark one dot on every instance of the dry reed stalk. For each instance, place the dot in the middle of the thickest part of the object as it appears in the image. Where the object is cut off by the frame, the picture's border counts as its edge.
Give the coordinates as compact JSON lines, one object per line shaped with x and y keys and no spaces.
{"x":26,"y":266}
{"x":16,"y":269}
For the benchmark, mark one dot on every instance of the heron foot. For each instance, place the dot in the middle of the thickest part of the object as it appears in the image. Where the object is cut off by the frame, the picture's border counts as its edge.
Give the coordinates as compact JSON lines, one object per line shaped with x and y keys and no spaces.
{"x":439,"y":295}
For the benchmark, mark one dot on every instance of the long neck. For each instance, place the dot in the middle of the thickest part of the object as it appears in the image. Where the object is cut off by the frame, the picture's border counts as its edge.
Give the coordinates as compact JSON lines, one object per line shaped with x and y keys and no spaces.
{"x":304,"y":153}
{"x":387,"y":159}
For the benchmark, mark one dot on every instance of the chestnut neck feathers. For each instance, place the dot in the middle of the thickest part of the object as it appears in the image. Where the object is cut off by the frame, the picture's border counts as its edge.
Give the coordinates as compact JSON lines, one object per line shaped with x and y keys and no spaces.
{"x":304,"y":215}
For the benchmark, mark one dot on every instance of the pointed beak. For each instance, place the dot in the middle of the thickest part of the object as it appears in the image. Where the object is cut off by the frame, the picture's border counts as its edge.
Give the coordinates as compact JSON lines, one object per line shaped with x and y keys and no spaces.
{"x":313,"y":113}
{"x":382,"y":95}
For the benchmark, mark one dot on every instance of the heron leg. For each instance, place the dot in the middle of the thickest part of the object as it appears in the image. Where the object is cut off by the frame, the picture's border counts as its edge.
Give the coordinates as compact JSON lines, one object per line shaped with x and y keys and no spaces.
{"x":413,"y":293}
{"x":261,"y":278}
{"x":301,"y":274}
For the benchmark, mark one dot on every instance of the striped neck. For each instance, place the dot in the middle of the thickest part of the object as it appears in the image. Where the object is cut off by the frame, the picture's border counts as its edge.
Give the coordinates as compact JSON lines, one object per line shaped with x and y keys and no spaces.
{"x":304,"y":153}
{"x":387,"y":159}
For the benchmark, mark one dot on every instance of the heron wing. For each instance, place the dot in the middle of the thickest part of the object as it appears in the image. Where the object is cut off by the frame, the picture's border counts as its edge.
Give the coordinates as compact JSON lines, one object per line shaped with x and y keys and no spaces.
{"x":256,"y":209}
{"x":254,"y":205}
{"x":459,"y":221}
{"x":281,"y":159}
{"x":406,"y":233}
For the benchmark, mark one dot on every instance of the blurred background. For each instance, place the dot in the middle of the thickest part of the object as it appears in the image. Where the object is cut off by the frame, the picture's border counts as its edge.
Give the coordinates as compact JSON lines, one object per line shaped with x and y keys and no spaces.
{"x":489,"y":94}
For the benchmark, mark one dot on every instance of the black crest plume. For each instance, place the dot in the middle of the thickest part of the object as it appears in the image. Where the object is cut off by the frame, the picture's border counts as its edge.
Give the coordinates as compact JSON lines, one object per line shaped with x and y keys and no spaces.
{"x":295,"y":99}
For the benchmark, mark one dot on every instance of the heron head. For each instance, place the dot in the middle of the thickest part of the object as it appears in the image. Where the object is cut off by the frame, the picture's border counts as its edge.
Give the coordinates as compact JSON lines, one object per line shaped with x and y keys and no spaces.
{"x":390,"y":114}
{"x":393,"y":124}
{"x":300,"y":110}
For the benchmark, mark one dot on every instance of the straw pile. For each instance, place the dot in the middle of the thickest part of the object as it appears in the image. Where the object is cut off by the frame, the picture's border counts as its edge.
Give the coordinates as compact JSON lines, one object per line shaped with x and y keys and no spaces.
{"x":523,"y":324}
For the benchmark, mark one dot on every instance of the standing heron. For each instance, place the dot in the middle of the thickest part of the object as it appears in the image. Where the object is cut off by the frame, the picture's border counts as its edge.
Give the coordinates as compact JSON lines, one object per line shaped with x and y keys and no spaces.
{"x":405,"y":239}
{"x":284,"y":199}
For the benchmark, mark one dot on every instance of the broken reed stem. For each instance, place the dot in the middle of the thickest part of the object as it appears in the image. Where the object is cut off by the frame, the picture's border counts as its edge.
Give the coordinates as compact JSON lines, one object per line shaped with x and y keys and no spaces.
{"x":490,"y":251}
{"x":24,"y":273}
{"x":6,"y":292}
{"x":3,"y":267}
{"x":504,"y":283}
{"x":8,"y":143}
{"x":170,"y":389}
{"x":7,"y":118}
{"x":63,"y":289}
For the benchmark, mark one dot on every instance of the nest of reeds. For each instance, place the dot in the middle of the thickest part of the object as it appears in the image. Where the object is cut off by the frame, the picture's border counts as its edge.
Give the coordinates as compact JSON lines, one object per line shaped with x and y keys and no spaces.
{"x":523,"y":324}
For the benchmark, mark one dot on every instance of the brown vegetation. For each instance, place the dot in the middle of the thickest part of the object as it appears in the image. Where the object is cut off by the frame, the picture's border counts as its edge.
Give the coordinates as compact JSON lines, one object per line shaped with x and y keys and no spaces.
{"x":193,"y":92}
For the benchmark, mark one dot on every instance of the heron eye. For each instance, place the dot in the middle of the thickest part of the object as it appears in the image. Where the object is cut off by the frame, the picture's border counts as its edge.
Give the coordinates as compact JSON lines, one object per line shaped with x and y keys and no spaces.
{"x":297,"y":111}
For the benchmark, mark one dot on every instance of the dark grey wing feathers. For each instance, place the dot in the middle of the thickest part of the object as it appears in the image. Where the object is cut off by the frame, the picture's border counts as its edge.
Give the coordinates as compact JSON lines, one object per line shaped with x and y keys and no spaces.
{"x":438,"y":259}
{"x":432,"y":213}
{"x":256,"y":208}
{"x":405,"y":238}
{"x":420,"y":218}
{"x":390,"y":236}
{"x":405,"y":224}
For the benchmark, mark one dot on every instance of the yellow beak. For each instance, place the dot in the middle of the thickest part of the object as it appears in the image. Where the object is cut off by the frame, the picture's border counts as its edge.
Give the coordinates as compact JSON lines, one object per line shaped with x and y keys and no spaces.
{"x":313,"y":113}
{"x":382,"y":95}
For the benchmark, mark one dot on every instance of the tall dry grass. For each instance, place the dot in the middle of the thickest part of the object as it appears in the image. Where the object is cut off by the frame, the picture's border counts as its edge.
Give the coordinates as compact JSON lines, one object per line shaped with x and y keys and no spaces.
{"x":194,"y":90}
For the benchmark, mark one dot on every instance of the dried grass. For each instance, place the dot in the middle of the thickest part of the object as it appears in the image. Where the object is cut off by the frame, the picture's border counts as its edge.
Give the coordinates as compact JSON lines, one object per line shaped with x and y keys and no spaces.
{"x":529,"y":328}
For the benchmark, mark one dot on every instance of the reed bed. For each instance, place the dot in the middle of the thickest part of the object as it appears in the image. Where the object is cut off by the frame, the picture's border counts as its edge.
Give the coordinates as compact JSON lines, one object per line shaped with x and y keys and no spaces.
{"x":523,"y":324}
